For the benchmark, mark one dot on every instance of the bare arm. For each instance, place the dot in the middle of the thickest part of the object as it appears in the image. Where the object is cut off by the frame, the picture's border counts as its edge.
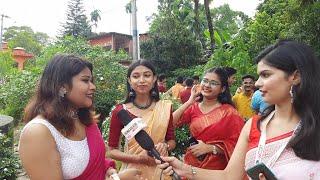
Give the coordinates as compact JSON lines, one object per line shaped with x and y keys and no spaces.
{"x":38,"y":153}
{"x":178,"y":113}
{"x":141,"y":158}
{"x":116,"y":154}
{"x":234,"y":170}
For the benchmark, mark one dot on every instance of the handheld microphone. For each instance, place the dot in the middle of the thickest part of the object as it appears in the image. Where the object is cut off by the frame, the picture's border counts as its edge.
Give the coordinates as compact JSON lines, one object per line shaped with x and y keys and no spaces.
{"x":143,"y":139}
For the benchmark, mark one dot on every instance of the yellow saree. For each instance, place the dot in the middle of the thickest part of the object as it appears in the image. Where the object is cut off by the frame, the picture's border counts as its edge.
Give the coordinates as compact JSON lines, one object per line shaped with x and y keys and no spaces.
{"x":157,"y":121}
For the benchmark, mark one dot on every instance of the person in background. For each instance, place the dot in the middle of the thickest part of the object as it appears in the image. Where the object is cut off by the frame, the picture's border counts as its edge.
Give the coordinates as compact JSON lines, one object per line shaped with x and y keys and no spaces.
{"x":61,"y":139}
{"x":143,"y":101}
{"x":186,"y":92}
{"x":213,"y":121}
{"x":231,"y":73}
{"x":196,"y":82}
{"x":242,"y":100}
{"x":257,"y":102}
{"x":162,"y":83}
{"x":177,"y":88}
{"x":287,"y":72}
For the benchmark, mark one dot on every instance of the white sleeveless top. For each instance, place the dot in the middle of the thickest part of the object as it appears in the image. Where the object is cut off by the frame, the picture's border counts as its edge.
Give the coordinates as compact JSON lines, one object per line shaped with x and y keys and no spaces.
{"x":74,"y":154}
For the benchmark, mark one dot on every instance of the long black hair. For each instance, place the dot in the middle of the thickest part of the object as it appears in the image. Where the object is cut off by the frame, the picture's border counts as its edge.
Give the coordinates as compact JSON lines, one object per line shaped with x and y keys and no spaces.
{"x":148,"y":64}
{"x":223,"y":97}
{"x":290,"y":56}
{"x":47,"y":102}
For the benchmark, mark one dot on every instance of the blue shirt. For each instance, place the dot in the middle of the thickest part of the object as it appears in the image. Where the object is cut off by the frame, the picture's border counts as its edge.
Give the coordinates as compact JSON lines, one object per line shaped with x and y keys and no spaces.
{"x":257,"y":102}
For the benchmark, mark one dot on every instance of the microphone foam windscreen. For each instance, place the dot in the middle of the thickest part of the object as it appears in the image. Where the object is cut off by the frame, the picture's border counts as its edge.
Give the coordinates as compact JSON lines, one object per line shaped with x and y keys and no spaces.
{"x":124,"y":117}
{"x":144,"y":140}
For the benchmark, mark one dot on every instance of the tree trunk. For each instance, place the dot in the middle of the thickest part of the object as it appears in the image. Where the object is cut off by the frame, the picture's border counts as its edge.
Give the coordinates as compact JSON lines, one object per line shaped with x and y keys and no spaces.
{"x":210,"y":26}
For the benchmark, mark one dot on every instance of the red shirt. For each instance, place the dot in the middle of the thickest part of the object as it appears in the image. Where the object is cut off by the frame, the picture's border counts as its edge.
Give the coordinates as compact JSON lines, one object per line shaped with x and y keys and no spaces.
{"x":161,"y":87}
{"x":116,"y":126}
{"x":185,"y":94}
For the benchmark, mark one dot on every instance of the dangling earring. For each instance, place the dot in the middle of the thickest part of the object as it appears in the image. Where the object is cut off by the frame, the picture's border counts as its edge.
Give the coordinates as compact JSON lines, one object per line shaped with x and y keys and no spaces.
{"x":153,"y":93}
{"x":291,"y":93}
{"x":131,"y":93}
{"x":62,"y":92}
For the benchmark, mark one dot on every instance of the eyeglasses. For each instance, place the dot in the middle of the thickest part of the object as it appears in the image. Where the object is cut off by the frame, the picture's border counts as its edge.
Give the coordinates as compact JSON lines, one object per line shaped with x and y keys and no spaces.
{"x":212,"y":83}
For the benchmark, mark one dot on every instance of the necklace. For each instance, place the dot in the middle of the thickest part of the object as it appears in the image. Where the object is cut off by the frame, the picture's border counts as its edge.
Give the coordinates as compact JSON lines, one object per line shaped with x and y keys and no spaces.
{"x":140,"y":106}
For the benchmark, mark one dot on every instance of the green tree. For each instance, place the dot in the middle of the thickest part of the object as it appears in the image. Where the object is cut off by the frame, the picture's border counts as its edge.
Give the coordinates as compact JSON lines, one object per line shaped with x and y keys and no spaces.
{"x":278,"y":19}
{"x":77,"y":24}
{"x":210,"y":24}
{"x":25,"y":37}
{"x":171,"y":45}
{"x":128,"y":7}
{"x":225,"y":19}
{"x":95,"y":17}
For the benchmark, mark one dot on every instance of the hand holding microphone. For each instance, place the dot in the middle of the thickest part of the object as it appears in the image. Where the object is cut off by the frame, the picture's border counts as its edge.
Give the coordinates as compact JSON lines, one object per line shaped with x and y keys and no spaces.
{"x":142,"y":137}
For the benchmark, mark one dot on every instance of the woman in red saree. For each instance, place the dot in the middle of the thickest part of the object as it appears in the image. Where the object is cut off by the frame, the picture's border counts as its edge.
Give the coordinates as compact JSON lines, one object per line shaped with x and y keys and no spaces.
{"x":213,"y":121}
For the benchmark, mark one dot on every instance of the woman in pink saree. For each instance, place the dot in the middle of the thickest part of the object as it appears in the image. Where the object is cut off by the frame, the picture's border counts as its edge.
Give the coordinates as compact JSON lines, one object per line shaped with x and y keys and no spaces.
{"x":61,"y":139}
{"x":286,"y":137}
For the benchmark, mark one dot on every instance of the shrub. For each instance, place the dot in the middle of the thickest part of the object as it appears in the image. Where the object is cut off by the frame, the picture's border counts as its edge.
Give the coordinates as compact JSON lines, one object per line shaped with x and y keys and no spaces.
{"x":9,"y":162}
{"x":109,"y":77}
{"x":16,"y":92}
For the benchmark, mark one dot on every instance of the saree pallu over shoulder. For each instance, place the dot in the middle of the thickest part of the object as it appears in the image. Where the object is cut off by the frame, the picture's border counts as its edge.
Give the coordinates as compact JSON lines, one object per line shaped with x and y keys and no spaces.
{"x":220,"y":127}
{"x":157,"y":121}
{"x":288,"y":166}
{"x":98,"y":164}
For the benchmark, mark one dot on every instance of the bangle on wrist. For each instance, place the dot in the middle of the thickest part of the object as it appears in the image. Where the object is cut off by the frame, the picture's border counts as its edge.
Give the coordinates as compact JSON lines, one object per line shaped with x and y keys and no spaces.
{"x":214,"y":150}
{"x":193,"y":172}
{"x":115,"y":176}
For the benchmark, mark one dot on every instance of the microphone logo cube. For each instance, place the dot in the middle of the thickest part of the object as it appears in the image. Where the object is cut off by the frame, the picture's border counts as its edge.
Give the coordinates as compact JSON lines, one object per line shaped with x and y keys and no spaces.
{"x":131,"y":129}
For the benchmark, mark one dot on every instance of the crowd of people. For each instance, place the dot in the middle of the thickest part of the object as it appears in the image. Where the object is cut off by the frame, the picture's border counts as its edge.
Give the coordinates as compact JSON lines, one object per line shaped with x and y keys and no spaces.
{"x":271,"y":121}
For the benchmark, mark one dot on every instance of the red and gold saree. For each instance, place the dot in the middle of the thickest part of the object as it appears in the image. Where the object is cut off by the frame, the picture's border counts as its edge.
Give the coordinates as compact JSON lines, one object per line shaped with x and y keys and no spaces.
{"x":221,"y":127}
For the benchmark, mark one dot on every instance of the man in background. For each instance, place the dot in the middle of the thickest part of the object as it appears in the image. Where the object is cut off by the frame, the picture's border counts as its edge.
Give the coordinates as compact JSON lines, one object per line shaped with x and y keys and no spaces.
{"x":242,"y":100}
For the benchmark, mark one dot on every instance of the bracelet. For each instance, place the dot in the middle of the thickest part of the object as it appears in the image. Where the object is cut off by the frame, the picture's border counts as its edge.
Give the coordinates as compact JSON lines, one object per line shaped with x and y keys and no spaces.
{"x":168,"y":146}
{"x":193,"y":171}
{"x":214,"y":151}
{"x":115,"y":176}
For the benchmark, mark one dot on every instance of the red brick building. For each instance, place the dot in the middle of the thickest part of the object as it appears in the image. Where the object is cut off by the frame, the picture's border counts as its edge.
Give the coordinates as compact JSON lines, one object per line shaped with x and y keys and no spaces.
{"x":115,"y":41}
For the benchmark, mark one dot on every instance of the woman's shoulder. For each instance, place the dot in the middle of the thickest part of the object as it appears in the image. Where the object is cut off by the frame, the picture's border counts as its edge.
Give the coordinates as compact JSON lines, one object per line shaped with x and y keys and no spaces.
{"x":37,"y":123}
{"x":37,"y":130}
{"x":117,"y":108}
{"x":165,"y":101}
{"x":230,"y":109}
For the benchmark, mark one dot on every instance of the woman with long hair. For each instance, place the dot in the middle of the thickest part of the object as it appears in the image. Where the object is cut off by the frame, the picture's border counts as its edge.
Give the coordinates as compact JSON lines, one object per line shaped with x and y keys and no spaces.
{"x":143,"y":101}
{"x":61,"y":139}
{"x":286,"y":137}
{"x":212,"y":120}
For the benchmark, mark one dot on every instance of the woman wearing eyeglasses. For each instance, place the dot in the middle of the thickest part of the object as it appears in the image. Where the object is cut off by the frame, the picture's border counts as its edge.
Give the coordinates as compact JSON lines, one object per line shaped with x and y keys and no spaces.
{"x":213,"y":122}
